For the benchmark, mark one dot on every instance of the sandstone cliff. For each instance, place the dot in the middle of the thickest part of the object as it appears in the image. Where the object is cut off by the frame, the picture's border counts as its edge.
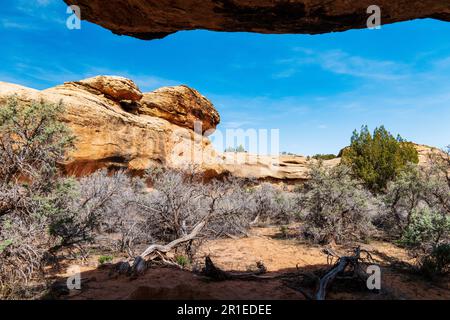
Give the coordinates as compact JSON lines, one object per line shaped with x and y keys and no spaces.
{"x":118,"y":126}
{"x":113,"y":128}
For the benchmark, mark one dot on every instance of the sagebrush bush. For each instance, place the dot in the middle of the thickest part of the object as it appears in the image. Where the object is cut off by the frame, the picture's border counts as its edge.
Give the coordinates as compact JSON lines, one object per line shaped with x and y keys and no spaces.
{"x":437,"y":263}
{"x":102,"y":204}
{"x":428,"y":228}
{"x":105,"y":259}
{"x":43,"y":213}
{"x":402,"y":197}
{"x":324,"y":156}
{"x":417,"y":214}
{"x":270,"y":204}
{"x":32,"y":143}
{"x":378,"y":158}
{"x":336,"y":207}
{"x":181,"y":199}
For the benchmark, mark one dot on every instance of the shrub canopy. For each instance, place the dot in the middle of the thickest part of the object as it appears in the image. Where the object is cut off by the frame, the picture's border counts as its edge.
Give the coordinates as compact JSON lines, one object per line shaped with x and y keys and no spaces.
{"x":378,"y":158}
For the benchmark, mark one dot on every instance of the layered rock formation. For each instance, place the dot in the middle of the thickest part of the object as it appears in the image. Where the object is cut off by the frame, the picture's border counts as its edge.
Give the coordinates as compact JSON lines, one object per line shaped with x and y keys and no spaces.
{"x":183,"y":106}
{"x":115,"y":126}
{"x":118,"y":126}
{"x":292,"y":168}
{"x":146,"y":19}
{"x":271,"y":168}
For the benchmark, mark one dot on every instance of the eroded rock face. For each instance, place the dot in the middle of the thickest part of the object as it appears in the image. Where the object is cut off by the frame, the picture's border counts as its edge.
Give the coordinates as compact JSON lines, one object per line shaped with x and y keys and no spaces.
{"x":113,"y":87}
{"x":181,"y":105}
{"x":158,"y":131}
{"x":146,"y":19}
{"x":109,"y":135}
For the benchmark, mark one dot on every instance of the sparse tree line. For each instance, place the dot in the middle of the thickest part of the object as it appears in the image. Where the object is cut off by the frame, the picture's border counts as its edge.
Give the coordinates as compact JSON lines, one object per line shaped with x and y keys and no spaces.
{"x":377,"y":191}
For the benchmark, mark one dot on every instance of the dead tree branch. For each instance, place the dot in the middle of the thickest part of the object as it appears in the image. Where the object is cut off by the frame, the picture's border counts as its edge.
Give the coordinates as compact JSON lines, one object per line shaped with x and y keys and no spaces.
{"x":170,"y":246}
{"x":339,"y":267}
{"x":213,"y":272}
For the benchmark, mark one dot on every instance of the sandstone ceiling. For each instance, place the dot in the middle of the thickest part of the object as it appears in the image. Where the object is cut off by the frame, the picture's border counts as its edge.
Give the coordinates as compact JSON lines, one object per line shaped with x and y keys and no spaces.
{"x":150,"y":19}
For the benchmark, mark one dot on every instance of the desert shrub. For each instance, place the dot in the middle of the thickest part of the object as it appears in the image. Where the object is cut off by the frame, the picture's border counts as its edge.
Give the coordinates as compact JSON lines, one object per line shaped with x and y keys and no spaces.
{"x":415,"y":189}
{"x":175,"y":204}
{"x":378,"y":158}
{"x":32,"y":143}
{"x":182,"y":261}
{"x":40,"y":211}
{"x":101,"y":204}
{"x":180,"y":200}
{"x":23,"y":248}
{"x":270,"y":204}
{"x":233,"y":210}
{"x":403,"y":196}
{"x":416,"y":213}
{"x":438,"y":181}
{"x":324,"y":156}
{"x":426,"y":230}
{"x":437,"y":262}
{"x":105,"y":259}
{"x":336,"y":207}
{"x":238,"y":149}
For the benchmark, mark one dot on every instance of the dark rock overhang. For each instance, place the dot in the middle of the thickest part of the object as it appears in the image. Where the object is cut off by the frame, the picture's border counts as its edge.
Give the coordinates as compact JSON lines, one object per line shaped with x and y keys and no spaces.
{"x":151,"y":19}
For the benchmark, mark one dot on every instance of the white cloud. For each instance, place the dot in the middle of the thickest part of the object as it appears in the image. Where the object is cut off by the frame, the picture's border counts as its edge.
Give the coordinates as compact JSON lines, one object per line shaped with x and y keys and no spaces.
{"x":17,"y":24}
{"x":340,"y":62}
{"x":39,"y":76}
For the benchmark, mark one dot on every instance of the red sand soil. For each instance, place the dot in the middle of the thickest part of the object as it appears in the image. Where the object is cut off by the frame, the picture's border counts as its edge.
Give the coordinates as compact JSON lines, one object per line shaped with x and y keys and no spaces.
{"x":278,"y":255}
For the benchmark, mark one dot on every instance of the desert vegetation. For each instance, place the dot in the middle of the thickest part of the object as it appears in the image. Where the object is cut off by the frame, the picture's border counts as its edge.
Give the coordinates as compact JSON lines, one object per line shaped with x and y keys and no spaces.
{"x":378,"y":191}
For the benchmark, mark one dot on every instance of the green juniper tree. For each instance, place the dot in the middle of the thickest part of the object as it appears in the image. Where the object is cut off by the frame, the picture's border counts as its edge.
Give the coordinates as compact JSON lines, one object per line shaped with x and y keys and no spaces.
{"x":378,"y":158}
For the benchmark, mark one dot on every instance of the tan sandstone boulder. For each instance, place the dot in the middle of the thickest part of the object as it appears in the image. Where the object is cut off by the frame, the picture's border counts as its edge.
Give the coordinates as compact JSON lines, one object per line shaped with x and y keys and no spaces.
{"x":181,"y":105}
{"x":109,"y":135}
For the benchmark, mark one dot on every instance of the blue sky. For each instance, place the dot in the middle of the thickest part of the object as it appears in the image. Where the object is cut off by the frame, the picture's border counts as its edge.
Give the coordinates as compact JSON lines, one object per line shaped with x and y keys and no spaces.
{"x":314,"y":89}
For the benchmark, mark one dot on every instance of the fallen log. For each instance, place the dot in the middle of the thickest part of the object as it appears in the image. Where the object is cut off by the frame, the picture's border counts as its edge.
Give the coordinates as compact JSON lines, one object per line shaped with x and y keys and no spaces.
{"x":159,"y":251}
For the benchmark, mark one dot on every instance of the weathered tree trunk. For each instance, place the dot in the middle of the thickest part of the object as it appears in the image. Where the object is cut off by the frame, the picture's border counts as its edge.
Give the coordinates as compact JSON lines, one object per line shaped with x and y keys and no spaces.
{"x":337,"y":269}
{"x":168,"y":247}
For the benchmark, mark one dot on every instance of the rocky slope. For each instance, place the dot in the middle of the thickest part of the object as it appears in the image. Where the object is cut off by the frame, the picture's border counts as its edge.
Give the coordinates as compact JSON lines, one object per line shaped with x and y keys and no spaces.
{"x":118,"y":126}
{"x":156,"y":19}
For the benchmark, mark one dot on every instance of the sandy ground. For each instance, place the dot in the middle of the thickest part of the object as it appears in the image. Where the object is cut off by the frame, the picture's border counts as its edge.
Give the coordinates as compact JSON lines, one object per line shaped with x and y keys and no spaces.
{"x":279,"y":255}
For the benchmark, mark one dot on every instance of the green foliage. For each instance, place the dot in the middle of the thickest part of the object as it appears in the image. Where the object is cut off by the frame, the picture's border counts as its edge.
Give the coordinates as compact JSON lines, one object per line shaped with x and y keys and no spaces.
{"x":403,"y":195}
{"x":182,"y":261}
{"x":379,"y":157}
{"x":426,"y":227}
{"x":337,"y":208}
{"x":4,"y":244}
{"x":284,"y":231}
{"x":105,"y":259}
{"x":324,"y":156}
{"x":436,"y":263}
{"x":32,"y":141}
{"x":239,"y":149}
